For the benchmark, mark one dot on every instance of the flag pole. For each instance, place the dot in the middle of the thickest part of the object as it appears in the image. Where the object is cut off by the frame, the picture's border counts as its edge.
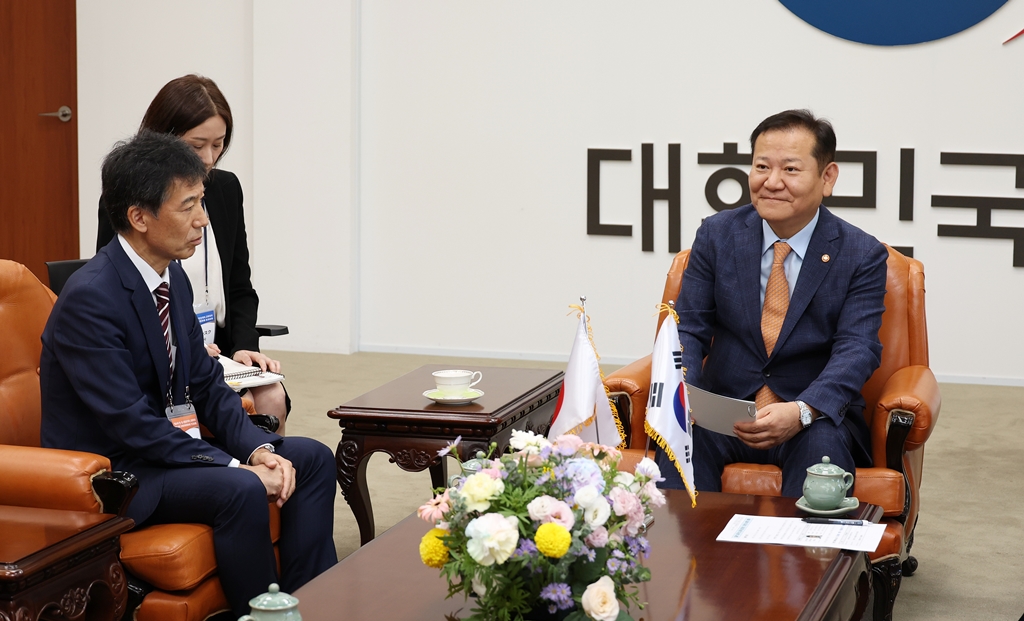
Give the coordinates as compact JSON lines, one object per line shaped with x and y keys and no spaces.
{"x":586,"y":324}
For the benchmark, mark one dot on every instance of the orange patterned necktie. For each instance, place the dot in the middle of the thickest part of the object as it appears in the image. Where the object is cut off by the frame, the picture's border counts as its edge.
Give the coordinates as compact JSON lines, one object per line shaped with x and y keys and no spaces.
{"x":773,"y":314}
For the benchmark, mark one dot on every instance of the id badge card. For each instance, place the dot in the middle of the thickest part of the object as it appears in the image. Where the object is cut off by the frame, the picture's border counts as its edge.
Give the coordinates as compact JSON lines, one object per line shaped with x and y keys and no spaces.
{"x":207,"y":321}
{"x":184,"y":417}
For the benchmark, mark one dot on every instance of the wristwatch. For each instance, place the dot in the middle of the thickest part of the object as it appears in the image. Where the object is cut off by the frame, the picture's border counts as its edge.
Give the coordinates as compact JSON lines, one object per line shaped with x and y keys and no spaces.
{"x":806,"y":417}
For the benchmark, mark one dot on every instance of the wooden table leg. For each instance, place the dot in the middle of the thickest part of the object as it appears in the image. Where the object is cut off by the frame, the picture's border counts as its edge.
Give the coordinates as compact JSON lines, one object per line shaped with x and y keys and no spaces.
{"x":351,"y":461}
{"x":439,"y":474}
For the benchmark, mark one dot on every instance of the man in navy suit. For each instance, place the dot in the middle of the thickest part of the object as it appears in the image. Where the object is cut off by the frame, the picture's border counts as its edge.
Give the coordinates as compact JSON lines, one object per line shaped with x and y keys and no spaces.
{"x":124,"y":373}
{"x":827,"y":348}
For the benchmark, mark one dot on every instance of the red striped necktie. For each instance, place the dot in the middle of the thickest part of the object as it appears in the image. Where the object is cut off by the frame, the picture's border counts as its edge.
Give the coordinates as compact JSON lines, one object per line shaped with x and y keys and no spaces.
{"x":163,"y":308}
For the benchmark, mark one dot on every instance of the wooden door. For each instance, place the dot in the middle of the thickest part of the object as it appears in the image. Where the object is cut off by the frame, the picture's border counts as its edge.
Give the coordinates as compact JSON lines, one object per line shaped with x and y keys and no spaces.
{"x":38,"y":154}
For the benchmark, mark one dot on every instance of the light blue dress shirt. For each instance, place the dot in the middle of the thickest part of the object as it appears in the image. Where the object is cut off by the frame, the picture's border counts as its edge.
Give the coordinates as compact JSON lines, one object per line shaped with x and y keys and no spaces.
{"x":794,"y":261}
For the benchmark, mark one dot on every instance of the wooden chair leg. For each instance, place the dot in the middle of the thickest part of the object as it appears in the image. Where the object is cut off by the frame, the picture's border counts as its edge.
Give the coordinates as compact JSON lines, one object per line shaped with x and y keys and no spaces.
{"x":888,"y":575}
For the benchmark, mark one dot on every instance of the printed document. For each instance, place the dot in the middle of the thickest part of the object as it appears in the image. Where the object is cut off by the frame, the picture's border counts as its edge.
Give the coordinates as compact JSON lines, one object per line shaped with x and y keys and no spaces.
{"x":796,"y":532}
{"x":718,"y":413}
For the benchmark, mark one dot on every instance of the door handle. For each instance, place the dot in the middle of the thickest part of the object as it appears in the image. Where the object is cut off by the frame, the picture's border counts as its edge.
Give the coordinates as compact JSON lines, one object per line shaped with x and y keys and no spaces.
{"x":63,"y":113}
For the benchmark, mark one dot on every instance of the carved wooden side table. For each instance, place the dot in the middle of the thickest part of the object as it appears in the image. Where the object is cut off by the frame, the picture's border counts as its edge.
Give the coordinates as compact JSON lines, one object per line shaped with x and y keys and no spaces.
{"x":397,"y":419}
{"x":60,"y":564}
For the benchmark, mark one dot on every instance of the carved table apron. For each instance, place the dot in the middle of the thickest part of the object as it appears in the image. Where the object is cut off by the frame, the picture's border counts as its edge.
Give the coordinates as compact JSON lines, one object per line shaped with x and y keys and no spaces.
{"x":60,"y":562}
{"x":397,"y":419}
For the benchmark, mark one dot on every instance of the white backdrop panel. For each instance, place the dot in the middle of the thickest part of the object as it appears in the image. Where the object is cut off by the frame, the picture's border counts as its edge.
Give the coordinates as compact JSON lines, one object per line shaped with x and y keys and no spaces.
{"x":475,"y":124}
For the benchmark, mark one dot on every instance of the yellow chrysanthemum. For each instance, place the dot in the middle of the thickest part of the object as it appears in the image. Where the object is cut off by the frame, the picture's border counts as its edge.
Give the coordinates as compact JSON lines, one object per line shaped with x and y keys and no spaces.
{"x":433,"y":552}
{"x":552,"y":540}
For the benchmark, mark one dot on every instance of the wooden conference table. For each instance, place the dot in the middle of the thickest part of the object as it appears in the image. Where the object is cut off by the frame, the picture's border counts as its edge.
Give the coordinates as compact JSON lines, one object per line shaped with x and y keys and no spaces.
{"x":694,"y":577}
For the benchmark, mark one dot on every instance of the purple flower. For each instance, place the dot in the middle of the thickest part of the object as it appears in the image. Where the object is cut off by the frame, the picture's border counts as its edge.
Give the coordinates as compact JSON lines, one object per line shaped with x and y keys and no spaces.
{"x":526,"y":548}
{"x":638,"y":546}
{"x":559,"y":594}
{"x":614,"y":565}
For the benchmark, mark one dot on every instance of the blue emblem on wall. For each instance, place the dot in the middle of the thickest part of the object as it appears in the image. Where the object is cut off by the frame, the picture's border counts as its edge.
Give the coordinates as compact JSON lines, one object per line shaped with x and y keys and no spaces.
{"x":892,"y":22}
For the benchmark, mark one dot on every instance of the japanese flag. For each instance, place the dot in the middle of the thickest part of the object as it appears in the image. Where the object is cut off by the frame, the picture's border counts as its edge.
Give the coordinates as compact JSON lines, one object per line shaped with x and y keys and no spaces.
{"x":583,"y":407}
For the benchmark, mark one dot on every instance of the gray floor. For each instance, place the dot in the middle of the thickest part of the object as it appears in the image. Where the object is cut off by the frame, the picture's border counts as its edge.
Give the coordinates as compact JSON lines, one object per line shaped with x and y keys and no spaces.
{"x":970,"y":537}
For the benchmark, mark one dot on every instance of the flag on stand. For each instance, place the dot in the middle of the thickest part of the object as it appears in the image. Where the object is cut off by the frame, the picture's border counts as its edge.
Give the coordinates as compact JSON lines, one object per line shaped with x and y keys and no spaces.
{"x":668,"y":408}
{"x":583,"y":407}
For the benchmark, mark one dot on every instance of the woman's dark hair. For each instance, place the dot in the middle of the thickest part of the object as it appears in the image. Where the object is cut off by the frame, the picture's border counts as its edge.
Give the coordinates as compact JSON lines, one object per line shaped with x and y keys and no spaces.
{"x":185,"y":103}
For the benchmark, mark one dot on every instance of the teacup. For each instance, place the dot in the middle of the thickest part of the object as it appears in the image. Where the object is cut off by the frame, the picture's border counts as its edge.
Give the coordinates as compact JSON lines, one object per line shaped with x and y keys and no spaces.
{"x":826,"y":485}
{"x":455,"y":382}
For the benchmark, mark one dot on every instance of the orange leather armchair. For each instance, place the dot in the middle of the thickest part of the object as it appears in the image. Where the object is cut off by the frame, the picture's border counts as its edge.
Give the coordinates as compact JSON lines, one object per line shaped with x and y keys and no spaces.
{"x":172,"y":569}
{"x":902,"y":407}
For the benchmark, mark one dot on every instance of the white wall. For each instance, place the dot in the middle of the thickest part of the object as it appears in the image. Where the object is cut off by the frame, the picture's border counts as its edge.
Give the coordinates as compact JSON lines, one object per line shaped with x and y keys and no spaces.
{"x":416,"y":172}
{"x":304,"y":117}
{"x":295,"y":63}
{"x":127,"y":50}
{"x":475,"y":127}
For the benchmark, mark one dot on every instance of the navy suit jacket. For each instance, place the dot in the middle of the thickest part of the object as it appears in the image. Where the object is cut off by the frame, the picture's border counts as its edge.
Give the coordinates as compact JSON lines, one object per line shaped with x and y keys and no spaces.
{"x":104,"y":377}
{"x":828,"y":346}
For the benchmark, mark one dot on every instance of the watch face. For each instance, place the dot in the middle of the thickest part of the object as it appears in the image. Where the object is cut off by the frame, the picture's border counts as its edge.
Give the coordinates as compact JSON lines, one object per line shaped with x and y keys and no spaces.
{"x":805,"y":415}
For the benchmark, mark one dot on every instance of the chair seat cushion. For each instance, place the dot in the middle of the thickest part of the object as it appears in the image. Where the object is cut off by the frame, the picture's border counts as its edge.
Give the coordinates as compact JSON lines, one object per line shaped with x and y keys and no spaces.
{"x":194,"y":605}
{"x":177,"y":557}
{"x":171,"y":557}
{"x":892,"y":542}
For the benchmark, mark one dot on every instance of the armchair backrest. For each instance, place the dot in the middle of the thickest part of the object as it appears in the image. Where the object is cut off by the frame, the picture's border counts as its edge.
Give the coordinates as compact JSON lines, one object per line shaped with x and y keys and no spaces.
{"x":904,"y":331}
{"x":25,"y":305}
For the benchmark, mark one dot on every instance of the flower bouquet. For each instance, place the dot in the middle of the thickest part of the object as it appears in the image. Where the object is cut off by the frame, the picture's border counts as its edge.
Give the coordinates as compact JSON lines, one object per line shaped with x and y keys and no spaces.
{"x":551,"y":530}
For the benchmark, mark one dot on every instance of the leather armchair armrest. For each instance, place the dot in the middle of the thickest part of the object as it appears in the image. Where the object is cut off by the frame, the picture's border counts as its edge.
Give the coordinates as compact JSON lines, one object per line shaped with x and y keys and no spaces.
{"x":633,"y":378}
{"x":915,"y":390}
{"x":883,"y":487}
{"x":50,"y":478}
{"x":634,"y":381}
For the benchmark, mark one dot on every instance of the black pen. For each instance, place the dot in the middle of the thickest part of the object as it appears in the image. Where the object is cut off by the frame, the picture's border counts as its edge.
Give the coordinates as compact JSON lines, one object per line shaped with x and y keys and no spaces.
{"x":817,"y":520}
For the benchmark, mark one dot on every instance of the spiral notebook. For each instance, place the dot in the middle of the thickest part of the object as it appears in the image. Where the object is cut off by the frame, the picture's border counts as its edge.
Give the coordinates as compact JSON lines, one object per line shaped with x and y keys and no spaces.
{"x":239,"y":376}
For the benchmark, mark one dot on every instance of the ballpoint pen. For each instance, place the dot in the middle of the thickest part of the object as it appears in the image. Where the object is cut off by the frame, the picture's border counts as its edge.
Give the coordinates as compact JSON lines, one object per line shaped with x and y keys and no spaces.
{"x":817,"y":520}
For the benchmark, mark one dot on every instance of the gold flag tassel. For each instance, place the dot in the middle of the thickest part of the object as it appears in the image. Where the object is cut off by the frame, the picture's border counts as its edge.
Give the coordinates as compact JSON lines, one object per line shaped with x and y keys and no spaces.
{"x":669,"y":308}
{"x":611,"y":402}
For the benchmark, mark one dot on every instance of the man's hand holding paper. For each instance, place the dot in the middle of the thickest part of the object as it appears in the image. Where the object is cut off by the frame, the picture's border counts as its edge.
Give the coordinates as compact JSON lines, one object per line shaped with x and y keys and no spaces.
{"x":775,"y":423}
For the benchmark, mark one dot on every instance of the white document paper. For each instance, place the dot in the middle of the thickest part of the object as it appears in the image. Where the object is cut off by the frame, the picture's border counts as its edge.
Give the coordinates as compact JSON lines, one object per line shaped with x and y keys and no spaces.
{"x":717,"y":413}
{"x":796,"y":532}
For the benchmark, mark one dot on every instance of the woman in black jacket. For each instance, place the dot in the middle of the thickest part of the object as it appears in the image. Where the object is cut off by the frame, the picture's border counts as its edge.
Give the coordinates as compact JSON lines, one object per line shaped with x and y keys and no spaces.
{"x":193,"y":108}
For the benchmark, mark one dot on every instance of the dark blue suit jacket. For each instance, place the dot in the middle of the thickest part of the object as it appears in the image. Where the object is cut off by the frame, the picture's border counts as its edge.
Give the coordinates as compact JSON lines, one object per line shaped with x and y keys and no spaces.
{"x":828,"y":346}
{"x":104,"y":376}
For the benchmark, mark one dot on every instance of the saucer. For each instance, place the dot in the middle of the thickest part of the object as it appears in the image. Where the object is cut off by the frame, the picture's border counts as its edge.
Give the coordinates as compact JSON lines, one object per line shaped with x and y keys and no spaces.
{"x":847,"y":505}
{"x":469,"y":396}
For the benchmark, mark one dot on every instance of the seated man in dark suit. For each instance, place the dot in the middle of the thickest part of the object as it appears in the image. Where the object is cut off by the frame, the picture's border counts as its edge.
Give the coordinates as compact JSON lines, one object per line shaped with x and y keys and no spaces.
{"x":781,"y":303}
{"x":124,"y":373}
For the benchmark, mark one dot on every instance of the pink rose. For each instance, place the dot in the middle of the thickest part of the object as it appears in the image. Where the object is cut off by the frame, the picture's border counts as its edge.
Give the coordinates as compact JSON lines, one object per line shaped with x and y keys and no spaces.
{"x":567,"y":444}
{"x":494,"y":473}
{"x":546,"y":509}
{"x":598,"y":538}
{"x":654,"y":496}
{"x":627,"y":504}
{"x":561,"y":513}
